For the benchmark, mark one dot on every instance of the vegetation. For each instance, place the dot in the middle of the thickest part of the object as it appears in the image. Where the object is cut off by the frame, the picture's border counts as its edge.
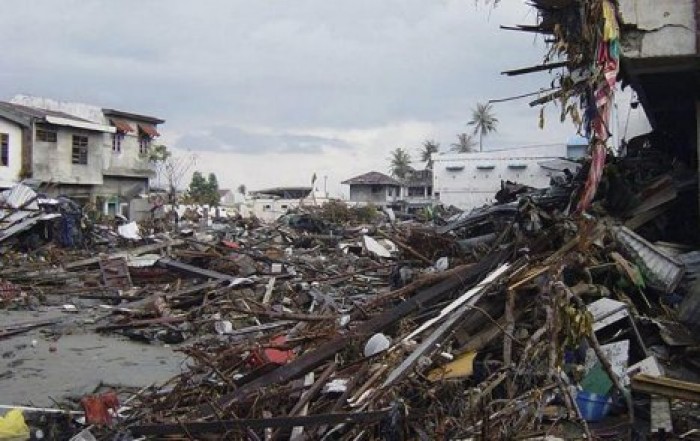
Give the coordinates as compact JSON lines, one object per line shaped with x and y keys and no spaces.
{"x":170,"y":167}
{"x":429,"y":148}
{"x":339,"y":212}
{"x":400,"y":163}
{"x":242,"y":189}
{"x":484,"y":121}
{"x":204,"y":191}
{"x":465,"y":144}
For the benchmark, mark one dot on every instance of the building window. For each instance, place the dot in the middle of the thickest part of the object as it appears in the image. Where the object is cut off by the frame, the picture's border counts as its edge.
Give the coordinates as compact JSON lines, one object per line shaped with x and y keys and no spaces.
{"x":144,"y":144}
{"x":46,"y":135}
{"x":80,"y":150}
{"x":117,"y":142}
{"x":4,"y":149}
{"x":416,"y":191}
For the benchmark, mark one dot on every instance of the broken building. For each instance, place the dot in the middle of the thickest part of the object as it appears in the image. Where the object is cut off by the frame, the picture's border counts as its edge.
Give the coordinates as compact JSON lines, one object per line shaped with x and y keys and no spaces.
{"x":84,"y":151}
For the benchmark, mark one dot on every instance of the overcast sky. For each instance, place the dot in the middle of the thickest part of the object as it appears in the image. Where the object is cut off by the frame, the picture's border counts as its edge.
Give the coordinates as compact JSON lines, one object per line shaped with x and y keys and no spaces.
{"x":267,"y":92}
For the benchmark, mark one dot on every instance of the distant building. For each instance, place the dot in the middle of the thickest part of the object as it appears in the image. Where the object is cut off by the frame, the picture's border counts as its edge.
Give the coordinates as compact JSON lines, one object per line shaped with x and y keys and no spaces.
{"x":416,"y":190}
{"x":374,"y":187}
{"x":227,"y":198}
{"x":413,"y":192}
{"x":470,"y":180}
{"x":269,"y":204}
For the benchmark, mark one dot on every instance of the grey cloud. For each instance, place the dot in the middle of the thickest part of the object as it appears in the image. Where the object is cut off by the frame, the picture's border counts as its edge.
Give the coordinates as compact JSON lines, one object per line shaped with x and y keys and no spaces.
{"x":312,"y":63}
{"x":235,"y":140}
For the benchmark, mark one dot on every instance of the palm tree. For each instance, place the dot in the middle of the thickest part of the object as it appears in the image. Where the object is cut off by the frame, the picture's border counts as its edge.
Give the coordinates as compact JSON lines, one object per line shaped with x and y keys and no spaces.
{"x":429,"y":147}
{"x":484,"y":121}
{"x":242,"y":189}
{"x":465,"y":143}
{"x":400,"y":162}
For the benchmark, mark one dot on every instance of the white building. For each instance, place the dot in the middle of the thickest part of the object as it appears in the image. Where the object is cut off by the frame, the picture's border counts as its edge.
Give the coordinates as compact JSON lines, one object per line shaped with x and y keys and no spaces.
{"x":11,"y":139}
{"x":470,"y":180}
{"x":269,"y":204}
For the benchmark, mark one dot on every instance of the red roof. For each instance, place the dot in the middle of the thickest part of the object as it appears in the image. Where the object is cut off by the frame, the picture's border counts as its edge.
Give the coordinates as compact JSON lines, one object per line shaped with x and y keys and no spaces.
{"x":121,"y":125}
{"x":149,"y":130}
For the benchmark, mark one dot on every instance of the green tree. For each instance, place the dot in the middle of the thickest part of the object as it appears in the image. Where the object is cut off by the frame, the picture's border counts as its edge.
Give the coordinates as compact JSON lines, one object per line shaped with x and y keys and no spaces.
{"x":198,"y":188}
{"x":242,"y":189}
{"x":465,"y":143}
{"x":204,"y":191}
{"x":484,"y":121}
{"x":213,"y":196}
{"x":429,"y":148}
{"x":400,"y":162}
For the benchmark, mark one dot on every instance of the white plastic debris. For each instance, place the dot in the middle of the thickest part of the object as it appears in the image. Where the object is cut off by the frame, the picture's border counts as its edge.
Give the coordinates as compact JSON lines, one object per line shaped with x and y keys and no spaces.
{"x":442,"y":264}
{"x":223,"y":327}
{"x":376,"y":344}
{"x":375,"y":247}
{"x":129,"y":231}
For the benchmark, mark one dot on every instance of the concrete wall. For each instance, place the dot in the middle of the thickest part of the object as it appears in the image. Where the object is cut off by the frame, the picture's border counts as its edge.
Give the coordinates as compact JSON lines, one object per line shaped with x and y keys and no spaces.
{"x":9,"y":175}
{"x":658,"y":28}
{"x":129,"y":160}
{"x":230,"y":199}
{"x":122,"y":186}
{"x":365,"y":193}
{"x":470,"y":180}
{"x":52,"y":161}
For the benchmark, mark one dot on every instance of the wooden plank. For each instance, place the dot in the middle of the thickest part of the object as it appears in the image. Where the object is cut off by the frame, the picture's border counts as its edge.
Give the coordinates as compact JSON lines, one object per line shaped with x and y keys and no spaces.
{"x":532,"y":69}
{"x":666,"y":387}
{"x":191,"y":269}
{"x":125,"y":253}
{"x":315,"y":358}
{"x":190,"y":428}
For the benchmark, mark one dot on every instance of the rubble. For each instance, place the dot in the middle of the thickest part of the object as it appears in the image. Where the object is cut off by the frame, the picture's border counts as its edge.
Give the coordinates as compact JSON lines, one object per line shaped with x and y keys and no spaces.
{"x":569,"y":312}
{"x":512,"y":320}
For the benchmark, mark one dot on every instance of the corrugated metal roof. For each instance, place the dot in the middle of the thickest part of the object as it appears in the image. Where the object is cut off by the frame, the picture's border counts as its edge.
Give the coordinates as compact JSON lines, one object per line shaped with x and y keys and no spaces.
{"x":662,"y":271}
{"x":35,"y":112}
{"x":18,"y":196}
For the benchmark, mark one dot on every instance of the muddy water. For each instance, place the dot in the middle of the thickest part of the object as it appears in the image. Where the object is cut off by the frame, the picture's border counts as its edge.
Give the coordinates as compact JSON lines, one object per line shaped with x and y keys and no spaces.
{"x":70,"y":360}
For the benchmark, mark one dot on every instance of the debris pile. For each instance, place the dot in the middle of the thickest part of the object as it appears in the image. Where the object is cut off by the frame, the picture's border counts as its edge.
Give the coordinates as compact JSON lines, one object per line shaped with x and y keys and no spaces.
{"x":513,"y":320}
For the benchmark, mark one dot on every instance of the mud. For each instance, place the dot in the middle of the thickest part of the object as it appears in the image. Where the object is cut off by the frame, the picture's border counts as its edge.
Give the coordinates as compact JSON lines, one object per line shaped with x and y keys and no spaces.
{"x":70,"y":360}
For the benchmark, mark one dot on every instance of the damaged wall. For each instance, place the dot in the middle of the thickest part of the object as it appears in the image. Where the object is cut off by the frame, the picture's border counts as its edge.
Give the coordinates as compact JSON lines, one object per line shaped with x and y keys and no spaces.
{"x":52,"y":161}
{"x":376,"y":194}
{"x":658,"y":28}
{"x":9,"y":173}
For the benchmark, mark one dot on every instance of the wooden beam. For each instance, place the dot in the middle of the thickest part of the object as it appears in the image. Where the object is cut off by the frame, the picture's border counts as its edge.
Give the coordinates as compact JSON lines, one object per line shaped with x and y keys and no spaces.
{"x":666,"y":387}
{"x":125,"y":253}
{"x":214,"y":427}
{"x":532,"y":69}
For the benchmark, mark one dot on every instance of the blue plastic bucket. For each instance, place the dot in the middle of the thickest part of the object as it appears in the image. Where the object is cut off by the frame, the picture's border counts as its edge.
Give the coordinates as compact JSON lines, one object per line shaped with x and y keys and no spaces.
{"x":593,"y":407}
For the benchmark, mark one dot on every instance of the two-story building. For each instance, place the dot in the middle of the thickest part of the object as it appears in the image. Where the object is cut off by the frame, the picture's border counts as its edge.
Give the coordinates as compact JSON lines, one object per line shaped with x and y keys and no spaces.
{"x":374,"y":188}
{"x":126,"y":168}
{"x":60,"y":151}
{"x":117,"y":167}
